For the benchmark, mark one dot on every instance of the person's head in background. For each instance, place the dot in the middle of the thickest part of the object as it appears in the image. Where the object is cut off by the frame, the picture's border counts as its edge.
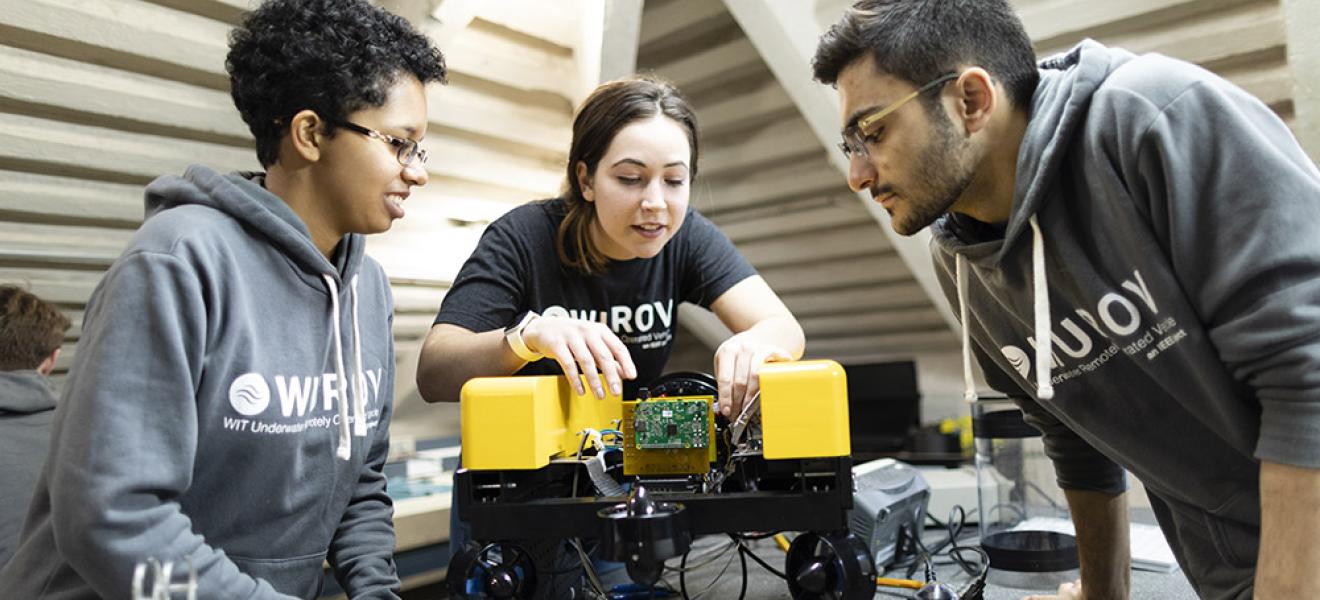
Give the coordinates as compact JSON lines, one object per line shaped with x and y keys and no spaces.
{"x":31,"y":331}
{"x":334,"y":93}
{"x":630,"y":171}
{"x":972,"y":69}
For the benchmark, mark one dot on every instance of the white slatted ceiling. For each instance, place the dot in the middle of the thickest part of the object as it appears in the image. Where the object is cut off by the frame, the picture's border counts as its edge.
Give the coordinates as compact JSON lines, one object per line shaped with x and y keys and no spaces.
{"x":99,"y":97}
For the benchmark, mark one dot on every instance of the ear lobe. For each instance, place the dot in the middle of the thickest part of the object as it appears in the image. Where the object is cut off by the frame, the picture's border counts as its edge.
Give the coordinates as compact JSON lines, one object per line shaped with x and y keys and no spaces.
{"x":584,"y":182}
{"x":306,"y":135}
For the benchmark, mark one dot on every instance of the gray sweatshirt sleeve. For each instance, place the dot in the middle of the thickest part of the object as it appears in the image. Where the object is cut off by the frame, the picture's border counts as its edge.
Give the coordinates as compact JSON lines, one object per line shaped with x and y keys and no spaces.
{"x":1237,"y":202}
{"x":126,"y":443}
{"x":362,"y":550}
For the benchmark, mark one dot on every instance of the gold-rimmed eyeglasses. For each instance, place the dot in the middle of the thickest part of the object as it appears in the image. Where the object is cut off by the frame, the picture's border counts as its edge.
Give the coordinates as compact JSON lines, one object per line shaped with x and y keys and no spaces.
{"x":866,"y":127}
{"x":406,"y":150}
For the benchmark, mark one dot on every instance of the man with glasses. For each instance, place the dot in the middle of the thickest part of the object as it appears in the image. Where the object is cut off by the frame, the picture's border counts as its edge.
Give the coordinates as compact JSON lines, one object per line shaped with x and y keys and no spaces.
{"x":228,"y":409}
{"x":1130,"y":241}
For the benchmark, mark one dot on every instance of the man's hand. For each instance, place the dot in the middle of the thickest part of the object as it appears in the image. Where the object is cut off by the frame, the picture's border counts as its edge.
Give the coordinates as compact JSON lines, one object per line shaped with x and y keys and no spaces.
{"x":736,"y":364}
{"x":1068,"y":591}
{"x":582,"y":347}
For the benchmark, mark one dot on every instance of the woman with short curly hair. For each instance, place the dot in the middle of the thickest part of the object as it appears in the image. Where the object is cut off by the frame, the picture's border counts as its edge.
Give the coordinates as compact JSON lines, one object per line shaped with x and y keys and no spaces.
{"x":228,"y":408}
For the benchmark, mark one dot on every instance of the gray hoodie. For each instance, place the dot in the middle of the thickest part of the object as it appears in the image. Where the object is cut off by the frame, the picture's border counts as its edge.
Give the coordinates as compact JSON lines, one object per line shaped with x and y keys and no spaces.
{"x":205,"y":419}
{"x":27,"y":405}
{"x":1155,"y":298}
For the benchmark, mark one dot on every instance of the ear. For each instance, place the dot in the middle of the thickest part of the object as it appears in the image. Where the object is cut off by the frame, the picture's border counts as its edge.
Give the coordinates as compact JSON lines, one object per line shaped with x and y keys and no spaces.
{"x":48,"y":364}
{"x":306,"y":134}
{"x":977,"y":99}
{"x":584,"y":182}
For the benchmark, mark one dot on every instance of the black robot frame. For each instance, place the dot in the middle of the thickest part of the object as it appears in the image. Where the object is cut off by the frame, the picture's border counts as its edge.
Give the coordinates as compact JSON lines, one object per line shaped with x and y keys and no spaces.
{"x":540,"y":504}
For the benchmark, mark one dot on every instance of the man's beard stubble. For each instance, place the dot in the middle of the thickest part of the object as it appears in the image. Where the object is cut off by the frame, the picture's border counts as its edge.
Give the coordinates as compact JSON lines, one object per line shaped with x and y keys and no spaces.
{"x":942,"y":175}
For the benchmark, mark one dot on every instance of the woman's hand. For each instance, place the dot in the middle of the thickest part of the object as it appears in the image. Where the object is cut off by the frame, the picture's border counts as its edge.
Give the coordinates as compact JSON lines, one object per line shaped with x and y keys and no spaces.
{"x":736,"y":364}
{"x":582,"y":347}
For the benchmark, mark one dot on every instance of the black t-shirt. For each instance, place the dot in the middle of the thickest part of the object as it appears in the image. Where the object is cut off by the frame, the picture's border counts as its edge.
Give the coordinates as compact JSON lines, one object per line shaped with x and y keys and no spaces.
{"x":516,"y":268}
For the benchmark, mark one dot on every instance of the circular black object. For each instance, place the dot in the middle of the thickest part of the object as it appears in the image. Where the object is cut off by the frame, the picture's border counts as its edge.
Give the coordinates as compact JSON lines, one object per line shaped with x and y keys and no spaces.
{"x":642,"y":533}
{"x":498,"y":571}
{"x":1031,"y":551}
{"x":834,"y":566}
{"x":1002,"y":424}
{"x":683,"y":383}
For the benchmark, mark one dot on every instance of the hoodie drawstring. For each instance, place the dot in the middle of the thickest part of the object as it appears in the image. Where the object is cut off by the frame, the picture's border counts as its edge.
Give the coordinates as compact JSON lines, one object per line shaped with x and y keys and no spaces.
{"x":1040,"y":306}
{"x":345,"y":449}
{"x":359,"y":383}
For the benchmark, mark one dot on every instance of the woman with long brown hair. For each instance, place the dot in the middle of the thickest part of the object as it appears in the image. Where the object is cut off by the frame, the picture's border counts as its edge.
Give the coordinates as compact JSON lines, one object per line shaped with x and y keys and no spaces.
{"x":589,"y":283}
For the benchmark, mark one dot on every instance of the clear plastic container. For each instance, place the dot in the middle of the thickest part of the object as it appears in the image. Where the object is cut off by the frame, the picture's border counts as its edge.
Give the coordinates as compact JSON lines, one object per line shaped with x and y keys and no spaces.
{"x":1022,"y":515}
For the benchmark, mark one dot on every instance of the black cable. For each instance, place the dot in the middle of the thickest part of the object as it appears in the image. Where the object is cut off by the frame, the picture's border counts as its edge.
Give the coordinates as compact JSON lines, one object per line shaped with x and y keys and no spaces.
{"x":682,"y":579}
{"x":742,"y":561}
{"x":762,"y":562}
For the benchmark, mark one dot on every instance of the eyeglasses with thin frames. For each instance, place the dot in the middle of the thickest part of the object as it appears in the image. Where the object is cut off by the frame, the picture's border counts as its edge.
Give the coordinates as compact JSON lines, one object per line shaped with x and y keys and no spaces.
{"x":855,"y":137}
{"x":406,"y":150}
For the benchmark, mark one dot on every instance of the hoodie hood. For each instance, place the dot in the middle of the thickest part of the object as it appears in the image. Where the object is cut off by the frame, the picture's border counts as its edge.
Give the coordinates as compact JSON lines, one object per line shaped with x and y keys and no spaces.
{"x":244,"y":197}
{"x":25,"y":392}
{"x":1058,"y":113}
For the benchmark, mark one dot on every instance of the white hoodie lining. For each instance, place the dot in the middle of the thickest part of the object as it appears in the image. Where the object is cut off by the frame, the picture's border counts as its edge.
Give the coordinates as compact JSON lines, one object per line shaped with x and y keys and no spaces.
{"x":1040,"y":305}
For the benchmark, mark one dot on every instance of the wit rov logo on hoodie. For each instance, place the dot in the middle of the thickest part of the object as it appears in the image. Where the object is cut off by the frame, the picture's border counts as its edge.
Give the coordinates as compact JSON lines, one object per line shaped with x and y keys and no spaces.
{"x":299,"y":397}
{"x":1087,"y":338}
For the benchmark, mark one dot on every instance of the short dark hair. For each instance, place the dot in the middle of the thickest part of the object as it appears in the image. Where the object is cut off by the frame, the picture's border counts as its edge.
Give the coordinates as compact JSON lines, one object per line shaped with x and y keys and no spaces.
{"x":333,"y":57}
{"x":608,"y":109}
{"x":31,"y":329}
{"x":919,"y":40}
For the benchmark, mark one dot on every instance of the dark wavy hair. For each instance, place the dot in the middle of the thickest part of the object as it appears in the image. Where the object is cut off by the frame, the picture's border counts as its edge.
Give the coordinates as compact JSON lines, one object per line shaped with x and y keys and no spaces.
{"x":608,"y":109}
{"x":919,"y":40}
{"x":30,"y":329}
{"x":333,"y":57}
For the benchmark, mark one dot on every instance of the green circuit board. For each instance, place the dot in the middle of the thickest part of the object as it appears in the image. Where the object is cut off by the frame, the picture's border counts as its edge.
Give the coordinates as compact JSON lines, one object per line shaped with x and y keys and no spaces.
{"x":671,"y":424}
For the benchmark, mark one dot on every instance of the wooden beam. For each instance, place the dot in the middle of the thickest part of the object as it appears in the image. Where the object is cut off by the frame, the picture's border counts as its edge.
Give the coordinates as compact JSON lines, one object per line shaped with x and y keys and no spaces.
{"x":1206,"y":40}
{"x":41,"y":84}
{"x":937,"y":339}
{"x":1302,"y":21}
{"x":619,"y":40}
{"x":727,"y":61}
{"x":58,"y":148}
{"x":779,"y":142}
{"x":488,"y":51}
{"x":785,"y":35}
{"x":855,"y":300}
{"x":31,"y":198}
{"x":808,"y":178}
{"x":1064,"y":22}
{"x":848,"y":272}
{"x":678,"y":23}
{"x":814,"y":247}
{"x":124,"y":34}
{"x":226,"y":11}
{"x":764,"y":106}
{"x":887,"y":322}
{"x":791,"y":222}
